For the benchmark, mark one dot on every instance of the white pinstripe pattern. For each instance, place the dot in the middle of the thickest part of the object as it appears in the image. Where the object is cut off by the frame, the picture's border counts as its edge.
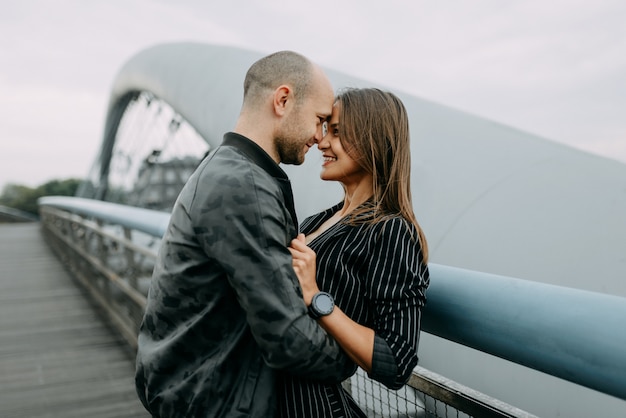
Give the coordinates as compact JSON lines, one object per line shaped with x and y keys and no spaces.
{"x":377,"y":277}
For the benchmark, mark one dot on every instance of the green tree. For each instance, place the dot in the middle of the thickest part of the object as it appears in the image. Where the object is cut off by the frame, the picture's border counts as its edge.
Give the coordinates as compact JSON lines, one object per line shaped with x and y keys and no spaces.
{"x":25,"y":198}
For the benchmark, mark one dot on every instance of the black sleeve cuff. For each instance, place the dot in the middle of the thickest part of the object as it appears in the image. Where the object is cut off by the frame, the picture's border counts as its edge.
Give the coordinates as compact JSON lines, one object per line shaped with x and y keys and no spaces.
{"x":384,"y":367}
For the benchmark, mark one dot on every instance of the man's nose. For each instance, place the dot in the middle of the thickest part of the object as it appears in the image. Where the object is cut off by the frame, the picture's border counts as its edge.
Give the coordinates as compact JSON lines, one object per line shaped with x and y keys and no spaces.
{"x":322,"y":131}
{"x":319,"y":134}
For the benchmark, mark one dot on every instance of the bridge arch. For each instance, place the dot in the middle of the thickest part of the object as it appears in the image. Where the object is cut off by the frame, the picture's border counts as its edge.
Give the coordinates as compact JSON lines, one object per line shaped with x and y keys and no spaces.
{"x":490,"y":198}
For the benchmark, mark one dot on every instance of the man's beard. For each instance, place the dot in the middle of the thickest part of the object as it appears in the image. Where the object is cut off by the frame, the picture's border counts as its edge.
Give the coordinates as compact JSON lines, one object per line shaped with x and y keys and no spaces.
{"x":289,"y":143}
{"x":290,"y":151}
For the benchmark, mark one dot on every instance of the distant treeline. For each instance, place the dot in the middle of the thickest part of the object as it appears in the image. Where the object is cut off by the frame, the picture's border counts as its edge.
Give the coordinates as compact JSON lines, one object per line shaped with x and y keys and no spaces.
{"x":24,"y":198}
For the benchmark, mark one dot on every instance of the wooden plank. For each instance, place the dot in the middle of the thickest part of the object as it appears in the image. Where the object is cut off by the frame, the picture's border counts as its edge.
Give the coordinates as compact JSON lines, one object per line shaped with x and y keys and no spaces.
{"x":57,"y":356}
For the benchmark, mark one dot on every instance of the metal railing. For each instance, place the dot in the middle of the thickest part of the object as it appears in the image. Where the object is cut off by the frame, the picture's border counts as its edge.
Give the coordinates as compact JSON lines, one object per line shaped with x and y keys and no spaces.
{"x":10,"y":215}
{"x":111,"y":249}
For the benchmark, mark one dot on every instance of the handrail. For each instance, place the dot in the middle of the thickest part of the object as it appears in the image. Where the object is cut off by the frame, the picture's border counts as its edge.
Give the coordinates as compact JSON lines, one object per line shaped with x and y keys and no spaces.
{"x":8,"y":214}
{"x":151,"y":222}
{"x":573,"y":334}
{"x":568,"y":333}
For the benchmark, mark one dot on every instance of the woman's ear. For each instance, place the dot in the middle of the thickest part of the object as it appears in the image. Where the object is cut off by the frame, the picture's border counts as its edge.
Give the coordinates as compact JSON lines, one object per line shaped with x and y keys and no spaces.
{"x":283,"y":96}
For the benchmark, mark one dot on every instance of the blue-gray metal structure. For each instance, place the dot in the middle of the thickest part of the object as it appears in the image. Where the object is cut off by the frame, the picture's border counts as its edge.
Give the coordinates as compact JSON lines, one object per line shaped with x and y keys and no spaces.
{"x":490,"y":198}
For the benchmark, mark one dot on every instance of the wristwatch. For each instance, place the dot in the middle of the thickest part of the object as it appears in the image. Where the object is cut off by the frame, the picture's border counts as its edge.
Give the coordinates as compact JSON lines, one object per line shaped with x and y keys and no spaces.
{"x":321,"y":305}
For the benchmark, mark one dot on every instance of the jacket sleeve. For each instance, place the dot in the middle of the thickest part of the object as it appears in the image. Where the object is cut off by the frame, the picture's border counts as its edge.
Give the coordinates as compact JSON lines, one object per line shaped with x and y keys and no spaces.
{"x":244,"y":228}
{"x":397,"y":283}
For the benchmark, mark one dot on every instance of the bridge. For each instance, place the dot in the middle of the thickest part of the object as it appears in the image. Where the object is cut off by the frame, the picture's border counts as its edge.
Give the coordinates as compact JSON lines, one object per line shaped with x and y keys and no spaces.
{"x":68,"y":341}
{"x":58,"y":357}
{"x":166,"y":111}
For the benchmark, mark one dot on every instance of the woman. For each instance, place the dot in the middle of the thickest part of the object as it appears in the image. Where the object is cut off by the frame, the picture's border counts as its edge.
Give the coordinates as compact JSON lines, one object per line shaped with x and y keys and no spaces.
{"x":369,"y":252}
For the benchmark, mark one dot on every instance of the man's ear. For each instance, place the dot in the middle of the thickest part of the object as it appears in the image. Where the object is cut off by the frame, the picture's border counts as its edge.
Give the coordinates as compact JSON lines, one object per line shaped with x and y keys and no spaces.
{"x":283,"y":96}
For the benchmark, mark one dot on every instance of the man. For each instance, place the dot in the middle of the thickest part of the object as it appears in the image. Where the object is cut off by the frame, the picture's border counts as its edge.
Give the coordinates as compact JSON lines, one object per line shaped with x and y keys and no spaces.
{"x":225,"y":308}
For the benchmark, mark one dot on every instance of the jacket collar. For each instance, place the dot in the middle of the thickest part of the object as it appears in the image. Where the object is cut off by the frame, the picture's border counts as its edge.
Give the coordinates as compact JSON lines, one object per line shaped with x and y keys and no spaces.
{"x":261,"y":158}
{"x":313,"y":222}
{"x":255,"y":153}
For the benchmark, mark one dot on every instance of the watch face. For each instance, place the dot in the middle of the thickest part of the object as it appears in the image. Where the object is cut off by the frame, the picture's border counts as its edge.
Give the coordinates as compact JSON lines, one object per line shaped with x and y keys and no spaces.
{"x":324,"y":303}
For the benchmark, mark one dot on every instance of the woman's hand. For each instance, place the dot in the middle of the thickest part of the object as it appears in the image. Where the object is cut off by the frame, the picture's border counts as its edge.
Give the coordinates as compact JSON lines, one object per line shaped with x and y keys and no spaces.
{"x":304,"y":266}
{"x":355,"y":339}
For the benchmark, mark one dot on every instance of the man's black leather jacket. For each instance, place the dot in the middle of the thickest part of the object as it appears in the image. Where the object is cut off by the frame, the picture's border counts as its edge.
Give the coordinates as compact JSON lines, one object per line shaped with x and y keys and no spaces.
{"x":224,"y":307}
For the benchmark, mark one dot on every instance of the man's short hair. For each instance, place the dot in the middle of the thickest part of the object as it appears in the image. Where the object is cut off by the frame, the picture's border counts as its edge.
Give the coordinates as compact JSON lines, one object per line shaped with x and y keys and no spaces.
{"x":284,"y":67}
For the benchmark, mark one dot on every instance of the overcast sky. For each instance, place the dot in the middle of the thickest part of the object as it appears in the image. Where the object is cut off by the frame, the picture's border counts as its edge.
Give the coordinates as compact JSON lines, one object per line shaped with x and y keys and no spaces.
{"x":556,"y":68}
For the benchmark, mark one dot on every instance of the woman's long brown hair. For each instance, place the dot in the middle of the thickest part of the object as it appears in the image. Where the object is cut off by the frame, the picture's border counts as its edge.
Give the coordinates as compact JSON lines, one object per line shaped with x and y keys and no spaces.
{"x":374,"y":130}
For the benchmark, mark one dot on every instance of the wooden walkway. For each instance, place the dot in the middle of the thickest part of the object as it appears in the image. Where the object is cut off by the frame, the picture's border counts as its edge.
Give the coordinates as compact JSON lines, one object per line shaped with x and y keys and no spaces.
{"x":57,"y":356}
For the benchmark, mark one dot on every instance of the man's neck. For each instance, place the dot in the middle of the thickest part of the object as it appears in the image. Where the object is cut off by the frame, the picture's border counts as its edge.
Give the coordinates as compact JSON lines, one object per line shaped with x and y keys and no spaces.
{"x":259,"y":137}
